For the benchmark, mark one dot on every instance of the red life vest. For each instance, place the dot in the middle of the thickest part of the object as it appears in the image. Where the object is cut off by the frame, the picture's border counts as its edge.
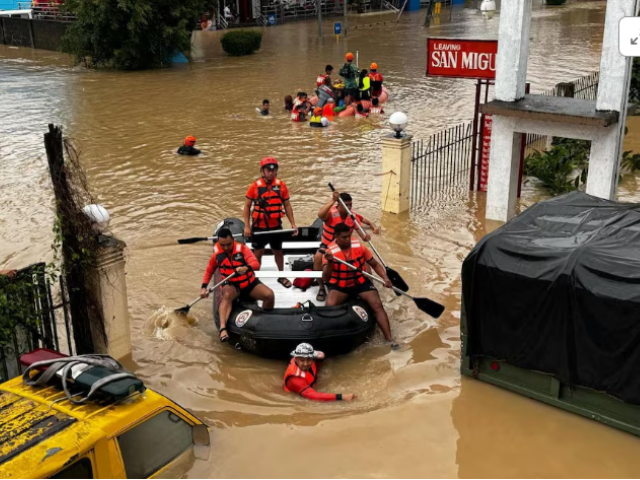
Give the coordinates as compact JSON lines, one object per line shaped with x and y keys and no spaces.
{"x":376,"y":84}
{"x":343,"y":276}
{"x":376,"y":110}
{"x":268,"y":208}
{"x":332,"y":220}
{"x":227,"y":263}
{"x":320,"y":79}
{"x":294,"y":371}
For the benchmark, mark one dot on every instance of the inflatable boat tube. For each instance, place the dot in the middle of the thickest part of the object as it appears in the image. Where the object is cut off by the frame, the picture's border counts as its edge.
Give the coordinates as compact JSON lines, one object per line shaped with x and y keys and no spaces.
{"x":334,"y":330}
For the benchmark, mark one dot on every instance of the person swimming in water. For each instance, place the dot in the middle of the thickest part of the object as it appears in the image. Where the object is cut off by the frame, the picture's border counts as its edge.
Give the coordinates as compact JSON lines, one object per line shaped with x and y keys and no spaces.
{"x":189,"y":147}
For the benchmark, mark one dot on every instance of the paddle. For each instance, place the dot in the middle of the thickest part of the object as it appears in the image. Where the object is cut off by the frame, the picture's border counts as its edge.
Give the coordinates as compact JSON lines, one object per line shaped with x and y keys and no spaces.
{"x":183,"y":241}
{"x":427,"y":305}
{"x":184,"y":310}
{"x":393,"y":275}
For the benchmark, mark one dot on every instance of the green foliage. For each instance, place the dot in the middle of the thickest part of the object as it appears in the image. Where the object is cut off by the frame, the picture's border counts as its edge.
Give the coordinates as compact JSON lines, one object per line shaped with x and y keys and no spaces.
{"x":16,"y":305}
{"x":561,"y":169}
{"x":130,"y":34}
{"x":241,"y":42}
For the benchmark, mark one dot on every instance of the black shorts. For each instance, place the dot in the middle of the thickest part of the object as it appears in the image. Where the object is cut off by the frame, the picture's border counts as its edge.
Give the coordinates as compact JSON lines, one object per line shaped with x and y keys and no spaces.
{"x":260,"y":241}
{"x":367,"y":286}
{"x":244,"y":294}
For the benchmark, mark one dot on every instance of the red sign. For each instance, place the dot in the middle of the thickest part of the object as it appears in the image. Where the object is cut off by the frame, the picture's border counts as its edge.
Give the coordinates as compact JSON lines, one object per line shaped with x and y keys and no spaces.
{"x":485,"y":152}
{"x":461,"y":58}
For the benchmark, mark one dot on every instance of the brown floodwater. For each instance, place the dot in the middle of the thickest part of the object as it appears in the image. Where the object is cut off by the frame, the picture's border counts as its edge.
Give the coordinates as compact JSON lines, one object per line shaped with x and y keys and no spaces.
{"x":415,"y":416}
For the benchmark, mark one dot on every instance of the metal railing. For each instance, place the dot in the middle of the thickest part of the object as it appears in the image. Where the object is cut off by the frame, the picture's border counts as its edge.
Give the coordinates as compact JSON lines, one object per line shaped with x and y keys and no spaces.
{"x":441,"y":163}
{"x":302,"y":10}
{"x":41,"y":324}
{"x":50,"y":11}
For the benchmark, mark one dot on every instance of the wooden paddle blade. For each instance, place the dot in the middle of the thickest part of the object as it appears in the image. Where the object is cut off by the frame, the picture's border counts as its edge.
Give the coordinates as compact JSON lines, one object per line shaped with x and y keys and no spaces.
{"x":192,"y":240}
{"x":428,"y":306}
{"x":397,"y":281}
{"x":182,"y":311}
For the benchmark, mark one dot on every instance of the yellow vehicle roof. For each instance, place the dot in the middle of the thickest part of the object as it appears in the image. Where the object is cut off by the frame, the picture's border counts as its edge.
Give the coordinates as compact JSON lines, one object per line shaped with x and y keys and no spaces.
{"x":41,"y":431}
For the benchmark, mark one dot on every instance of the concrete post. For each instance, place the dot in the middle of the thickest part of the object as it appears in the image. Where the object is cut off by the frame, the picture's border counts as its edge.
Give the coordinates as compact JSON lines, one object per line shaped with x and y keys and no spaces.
{"x":396,"y":173}
{"x":113,"y":291}
{"x":504,"y":167}
{"x":513,"y":50}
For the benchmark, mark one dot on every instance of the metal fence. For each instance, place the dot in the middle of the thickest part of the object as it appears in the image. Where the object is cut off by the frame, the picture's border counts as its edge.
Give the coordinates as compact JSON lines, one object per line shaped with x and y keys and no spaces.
{"x":42,"y":323}
{"x":441,"y":163}
{"x":584,"y":88}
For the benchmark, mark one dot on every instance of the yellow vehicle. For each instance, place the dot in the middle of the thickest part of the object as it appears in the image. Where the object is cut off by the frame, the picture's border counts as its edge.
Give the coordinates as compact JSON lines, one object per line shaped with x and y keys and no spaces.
{"x":43,"y":434}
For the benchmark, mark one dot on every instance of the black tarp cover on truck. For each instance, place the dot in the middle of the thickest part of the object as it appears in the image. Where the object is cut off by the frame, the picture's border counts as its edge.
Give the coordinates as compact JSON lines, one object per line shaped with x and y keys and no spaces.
{"x":557,"y":290}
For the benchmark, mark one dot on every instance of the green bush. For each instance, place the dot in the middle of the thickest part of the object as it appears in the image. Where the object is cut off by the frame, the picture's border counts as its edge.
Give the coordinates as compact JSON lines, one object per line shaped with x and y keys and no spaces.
{"x":241,"y":42}
{"x":562,"y":168}
{"x":130,"y":34}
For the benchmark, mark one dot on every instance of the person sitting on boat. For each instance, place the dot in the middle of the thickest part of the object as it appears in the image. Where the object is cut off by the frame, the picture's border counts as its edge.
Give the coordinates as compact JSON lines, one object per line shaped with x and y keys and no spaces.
{"x":325,"y":93}
{"x":376,"y":108}
{"x":302,"y":373}
{"x":332,"y":213}
{"x":189,"y":147}
{"x":316,"y":119}
{"x":269,"y":197}
{"x":376,"y":80}
{"x":344,"y":282}
{"x":230,"y":256}
{"x":321,"y":80}
{"x":360,"y":113}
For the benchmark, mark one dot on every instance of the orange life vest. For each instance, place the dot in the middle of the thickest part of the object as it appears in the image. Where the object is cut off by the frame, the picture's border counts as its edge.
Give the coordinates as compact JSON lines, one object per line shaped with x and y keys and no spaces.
{"x":333,"y":219}
{"x":294,"y":371}
{"x":343,"y":276}
{"x":268,"y":208}
{"x":228,"y":264}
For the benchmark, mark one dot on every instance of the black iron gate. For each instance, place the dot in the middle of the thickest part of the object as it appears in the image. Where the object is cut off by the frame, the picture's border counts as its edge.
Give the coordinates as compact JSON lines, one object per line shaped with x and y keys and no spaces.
{"x":29,"y":318}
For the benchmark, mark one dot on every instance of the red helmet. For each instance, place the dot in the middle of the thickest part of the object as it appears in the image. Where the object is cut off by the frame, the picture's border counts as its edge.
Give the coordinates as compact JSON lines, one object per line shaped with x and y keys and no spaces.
{"x":266,"y":161}
{"x":190,"y":141}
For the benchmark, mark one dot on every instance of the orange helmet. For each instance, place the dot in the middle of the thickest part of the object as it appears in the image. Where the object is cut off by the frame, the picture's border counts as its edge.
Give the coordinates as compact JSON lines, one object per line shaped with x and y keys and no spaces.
{"x":266,"y":161}
{"x":190,"y":141}
{"x":349,"y":56}
{"x":374,"y":66}
{"x":317,"y":110}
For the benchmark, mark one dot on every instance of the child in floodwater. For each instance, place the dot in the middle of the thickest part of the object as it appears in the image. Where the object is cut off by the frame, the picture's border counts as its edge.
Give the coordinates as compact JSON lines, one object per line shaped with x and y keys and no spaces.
{"x":302,"y":374}
{"x":189,"y":147}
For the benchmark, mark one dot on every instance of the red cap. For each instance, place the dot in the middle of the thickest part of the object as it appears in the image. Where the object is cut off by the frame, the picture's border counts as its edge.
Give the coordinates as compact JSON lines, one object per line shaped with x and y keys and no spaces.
{"x":266,"y":161}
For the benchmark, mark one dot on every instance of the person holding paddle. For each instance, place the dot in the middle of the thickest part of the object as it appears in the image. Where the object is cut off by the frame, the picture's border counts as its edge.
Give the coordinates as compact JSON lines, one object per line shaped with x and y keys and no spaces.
{"x":332,"y":213}
{"x":269,"y":197}
{"x":237,"y":263}
{"x":345,"y":282}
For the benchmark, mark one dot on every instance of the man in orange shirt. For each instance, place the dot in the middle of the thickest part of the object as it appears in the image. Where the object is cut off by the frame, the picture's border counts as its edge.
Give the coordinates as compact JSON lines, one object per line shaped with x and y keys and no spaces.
{"x":233,"y":257}
{"x":269,"y":197}
{"x":345,"y":282}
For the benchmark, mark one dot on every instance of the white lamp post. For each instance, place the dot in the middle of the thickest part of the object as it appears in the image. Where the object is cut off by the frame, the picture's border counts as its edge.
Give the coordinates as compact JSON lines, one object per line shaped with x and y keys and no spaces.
{"x":99,"y":216}
{"x":398,"y":122}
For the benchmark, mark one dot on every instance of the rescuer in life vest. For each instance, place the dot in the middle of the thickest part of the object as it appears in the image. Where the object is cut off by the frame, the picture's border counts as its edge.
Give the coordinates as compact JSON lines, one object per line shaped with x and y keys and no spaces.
{"x":376,"y":80}
{"x":316,"y":119}
{"x":266,"y":203}
{"x":332,"y":213}
{"x":376,"y":108}
{"x":322,"y":78}
{"x":302,"y":373}
{"x":188,"y":147}
{"x":230,"y":256}
{"x":344,"y":282}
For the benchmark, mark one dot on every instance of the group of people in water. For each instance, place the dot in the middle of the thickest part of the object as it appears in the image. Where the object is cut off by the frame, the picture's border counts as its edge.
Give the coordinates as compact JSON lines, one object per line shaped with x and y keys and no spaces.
{"x":360,"y":89}
{"x":267,"y":202}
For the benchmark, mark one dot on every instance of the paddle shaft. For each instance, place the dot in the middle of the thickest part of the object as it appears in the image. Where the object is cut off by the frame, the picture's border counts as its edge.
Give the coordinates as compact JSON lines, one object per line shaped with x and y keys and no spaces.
{"x":209,"y":290}
{"x":359,"y":227}
{"x":372,"y":277}
{"x":213,"y":239}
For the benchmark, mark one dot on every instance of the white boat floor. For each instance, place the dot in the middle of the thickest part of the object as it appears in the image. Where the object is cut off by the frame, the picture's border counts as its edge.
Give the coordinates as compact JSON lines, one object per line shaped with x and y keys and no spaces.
{"x":287,"y":297}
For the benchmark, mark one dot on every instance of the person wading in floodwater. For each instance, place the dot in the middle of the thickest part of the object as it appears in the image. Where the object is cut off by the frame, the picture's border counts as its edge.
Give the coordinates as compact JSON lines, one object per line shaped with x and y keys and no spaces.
{"x":189,"y":147}
{"x":233,"y":257}
{"x":302,"y":374}
{"x":269,"y":197}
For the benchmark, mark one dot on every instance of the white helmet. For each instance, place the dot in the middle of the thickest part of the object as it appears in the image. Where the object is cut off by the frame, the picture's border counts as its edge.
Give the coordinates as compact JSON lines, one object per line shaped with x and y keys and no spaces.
{"x":304,"y":350}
